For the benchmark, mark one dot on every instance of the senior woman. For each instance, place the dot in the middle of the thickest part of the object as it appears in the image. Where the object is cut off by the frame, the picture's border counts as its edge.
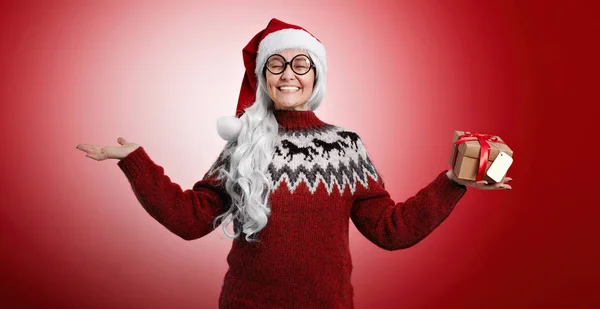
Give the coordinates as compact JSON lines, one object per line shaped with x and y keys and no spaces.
{"x":289,"y":183}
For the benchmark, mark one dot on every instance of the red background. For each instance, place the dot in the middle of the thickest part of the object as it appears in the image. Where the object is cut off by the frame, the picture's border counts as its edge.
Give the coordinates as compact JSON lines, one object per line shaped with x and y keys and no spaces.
{"x":403,"y":75}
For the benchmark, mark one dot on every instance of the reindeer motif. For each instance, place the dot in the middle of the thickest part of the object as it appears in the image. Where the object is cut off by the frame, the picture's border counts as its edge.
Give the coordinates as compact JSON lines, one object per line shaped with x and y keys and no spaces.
{"x":294,"y":150}
{"x":328,"y":147}
{"x":353,"y":137}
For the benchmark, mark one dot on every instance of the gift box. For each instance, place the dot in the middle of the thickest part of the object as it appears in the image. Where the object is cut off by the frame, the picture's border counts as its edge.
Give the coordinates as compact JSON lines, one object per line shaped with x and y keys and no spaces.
{"x":468,"y":150}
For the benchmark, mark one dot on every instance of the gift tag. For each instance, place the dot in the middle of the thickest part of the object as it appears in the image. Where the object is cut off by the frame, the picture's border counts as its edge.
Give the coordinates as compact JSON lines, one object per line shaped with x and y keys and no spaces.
{"x":499,"y":167}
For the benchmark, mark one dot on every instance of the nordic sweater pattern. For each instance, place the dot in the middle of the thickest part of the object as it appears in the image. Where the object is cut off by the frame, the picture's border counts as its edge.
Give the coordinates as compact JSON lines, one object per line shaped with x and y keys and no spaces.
{"x":322,"y":178}
{"x":329,"y":155}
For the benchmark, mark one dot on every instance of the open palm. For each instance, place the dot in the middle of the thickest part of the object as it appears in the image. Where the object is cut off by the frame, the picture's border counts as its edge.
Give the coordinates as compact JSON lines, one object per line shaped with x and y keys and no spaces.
{"x":100,"y":153}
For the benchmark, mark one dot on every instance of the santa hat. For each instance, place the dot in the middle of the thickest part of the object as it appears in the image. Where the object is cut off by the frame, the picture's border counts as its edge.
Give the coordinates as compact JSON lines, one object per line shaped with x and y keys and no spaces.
{"x":276,"y":36}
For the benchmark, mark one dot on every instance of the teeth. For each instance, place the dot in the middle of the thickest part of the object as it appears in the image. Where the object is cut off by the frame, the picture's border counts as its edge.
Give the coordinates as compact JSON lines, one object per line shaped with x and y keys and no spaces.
{"x":289,"y":88}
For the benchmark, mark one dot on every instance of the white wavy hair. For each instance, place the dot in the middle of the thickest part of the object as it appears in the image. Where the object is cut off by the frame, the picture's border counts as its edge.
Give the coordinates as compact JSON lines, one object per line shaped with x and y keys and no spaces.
{"x":246,"y":180}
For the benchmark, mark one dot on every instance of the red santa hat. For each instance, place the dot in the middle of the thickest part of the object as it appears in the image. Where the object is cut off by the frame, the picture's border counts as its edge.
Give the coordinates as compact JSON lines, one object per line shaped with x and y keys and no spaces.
{"x":275,"y":37}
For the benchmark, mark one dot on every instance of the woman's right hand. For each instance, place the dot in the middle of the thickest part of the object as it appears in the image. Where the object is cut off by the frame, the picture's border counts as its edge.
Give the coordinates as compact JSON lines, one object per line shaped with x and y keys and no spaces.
{"x":100,"y":153}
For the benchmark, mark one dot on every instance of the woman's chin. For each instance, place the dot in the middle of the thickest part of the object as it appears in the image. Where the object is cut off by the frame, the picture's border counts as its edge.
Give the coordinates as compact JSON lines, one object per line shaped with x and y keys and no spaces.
{"x":286,"y":106}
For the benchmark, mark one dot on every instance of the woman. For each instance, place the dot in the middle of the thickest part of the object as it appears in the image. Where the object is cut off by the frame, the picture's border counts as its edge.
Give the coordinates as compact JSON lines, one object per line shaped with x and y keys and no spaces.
{"x":290,"y":183}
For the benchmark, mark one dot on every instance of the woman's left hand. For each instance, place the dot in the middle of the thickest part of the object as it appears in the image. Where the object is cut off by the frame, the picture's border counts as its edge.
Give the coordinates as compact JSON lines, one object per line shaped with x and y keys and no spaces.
{"x":483,"y":185}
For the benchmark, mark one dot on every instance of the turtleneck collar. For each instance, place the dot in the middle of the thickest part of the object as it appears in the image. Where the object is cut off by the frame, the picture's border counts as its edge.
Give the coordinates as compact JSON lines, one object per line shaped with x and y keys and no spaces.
{"x":290,"y":119}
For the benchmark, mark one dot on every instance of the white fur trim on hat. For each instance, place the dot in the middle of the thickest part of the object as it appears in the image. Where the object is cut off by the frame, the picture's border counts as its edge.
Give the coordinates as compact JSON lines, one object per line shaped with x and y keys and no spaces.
{"x":286,"y":39}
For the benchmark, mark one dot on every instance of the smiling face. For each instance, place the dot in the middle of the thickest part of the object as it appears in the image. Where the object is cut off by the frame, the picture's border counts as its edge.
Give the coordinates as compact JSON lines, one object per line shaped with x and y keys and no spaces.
{"x":288,"y":90}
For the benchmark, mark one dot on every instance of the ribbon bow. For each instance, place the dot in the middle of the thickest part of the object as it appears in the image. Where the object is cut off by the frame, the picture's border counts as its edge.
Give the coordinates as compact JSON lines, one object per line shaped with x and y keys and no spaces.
{"x":484,"y":150}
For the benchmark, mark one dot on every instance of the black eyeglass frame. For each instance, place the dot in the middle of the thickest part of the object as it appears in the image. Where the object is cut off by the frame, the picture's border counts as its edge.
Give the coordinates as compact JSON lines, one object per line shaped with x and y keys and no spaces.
{"x":285,"y":64}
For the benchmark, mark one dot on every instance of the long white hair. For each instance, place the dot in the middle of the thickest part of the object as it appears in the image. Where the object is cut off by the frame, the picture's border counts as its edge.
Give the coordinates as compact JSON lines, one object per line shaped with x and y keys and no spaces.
{"x":246,"y":180}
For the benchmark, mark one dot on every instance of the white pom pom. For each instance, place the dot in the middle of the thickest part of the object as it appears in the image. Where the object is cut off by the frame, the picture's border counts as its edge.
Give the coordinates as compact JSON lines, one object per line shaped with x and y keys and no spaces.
{"x":229,"y":127}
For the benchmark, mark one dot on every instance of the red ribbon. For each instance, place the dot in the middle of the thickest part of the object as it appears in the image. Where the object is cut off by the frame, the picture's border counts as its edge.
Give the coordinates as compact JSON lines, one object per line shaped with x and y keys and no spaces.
{"x":484,"y":151}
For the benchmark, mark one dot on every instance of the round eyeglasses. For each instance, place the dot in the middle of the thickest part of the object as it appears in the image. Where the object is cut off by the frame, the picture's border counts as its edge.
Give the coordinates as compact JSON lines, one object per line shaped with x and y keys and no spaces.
{"x":300,"y":64}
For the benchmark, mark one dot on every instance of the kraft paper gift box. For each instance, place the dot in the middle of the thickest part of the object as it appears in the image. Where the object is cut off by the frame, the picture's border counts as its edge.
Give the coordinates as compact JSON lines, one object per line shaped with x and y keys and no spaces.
{"x":465,"y":157}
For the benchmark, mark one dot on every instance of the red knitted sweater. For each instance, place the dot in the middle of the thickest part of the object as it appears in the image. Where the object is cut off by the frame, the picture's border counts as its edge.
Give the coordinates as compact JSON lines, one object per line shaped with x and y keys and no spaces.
{"x":321,"y":178}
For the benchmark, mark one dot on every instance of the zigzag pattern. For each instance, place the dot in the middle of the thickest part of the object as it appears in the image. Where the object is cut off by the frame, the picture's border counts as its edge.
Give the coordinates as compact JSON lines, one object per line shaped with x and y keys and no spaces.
{"x":331,"y":155}
{"x":331,"y":176}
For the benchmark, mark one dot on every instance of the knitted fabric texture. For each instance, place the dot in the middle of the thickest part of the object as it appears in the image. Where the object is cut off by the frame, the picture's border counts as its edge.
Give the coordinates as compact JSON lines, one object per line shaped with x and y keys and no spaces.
{"x":322,"y":178}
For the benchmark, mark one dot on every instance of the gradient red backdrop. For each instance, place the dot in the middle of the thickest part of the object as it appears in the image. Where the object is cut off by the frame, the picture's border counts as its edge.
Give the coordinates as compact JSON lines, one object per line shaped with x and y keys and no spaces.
{"x":403,"y":75}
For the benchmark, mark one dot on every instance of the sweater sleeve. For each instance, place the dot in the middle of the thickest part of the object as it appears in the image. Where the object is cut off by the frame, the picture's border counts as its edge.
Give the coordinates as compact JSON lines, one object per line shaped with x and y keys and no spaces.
{"x":394,"y":226}
{"x":187,"y":213}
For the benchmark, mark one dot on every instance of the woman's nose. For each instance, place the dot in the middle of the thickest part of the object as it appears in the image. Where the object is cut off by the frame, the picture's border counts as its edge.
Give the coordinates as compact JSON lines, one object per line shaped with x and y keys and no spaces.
{"x":288,"y":73}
